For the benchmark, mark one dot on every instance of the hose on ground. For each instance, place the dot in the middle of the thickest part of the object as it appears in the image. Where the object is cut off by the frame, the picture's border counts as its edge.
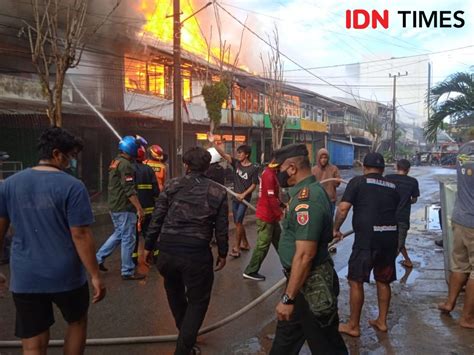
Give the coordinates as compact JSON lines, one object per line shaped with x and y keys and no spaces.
{"x":173,"y":337}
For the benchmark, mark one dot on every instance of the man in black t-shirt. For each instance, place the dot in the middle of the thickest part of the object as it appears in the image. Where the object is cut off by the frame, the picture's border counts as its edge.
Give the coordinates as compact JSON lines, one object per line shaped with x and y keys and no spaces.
{"x":409,"y":192}
{"x":245,"y":181}
{"x":375,"y":202}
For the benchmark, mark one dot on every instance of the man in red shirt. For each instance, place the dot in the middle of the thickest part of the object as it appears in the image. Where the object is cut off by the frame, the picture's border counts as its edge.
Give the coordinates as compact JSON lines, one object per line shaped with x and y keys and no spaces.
{"x":268,"y":228}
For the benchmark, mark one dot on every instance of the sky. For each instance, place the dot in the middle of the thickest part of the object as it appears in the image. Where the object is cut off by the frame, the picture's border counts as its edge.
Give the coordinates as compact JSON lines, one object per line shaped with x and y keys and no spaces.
{"x":313,"y":34}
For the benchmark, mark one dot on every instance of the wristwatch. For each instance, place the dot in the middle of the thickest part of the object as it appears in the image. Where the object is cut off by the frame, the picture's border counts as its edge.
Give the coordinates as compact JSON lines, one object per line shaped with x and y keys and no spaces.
{"x":285,"y":299}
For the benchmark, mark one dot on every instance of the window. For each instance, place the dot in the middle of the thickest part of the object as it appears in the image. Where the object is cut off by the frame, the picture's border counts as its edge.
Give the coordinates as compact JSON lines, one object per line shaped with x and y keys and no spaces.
{"x":186,"y":85}
{"x":156,"y":79}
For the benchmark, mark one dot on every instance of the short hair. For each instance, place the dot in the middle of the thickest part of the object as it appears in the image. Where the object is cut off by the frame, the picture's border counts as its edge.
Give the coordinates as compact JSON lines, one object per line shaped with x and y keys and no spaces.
{"x":403,"y":164}
{"x":301,"y":162}
{"x":244,"y":148}
{"x":197,"y":158}
{"x":57,"y":138}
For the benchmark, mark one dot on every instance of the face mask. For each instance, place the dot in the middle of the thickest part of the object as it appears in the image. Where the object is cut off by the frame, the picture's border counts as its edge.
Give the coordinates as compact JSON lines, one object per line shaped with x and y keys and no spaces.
{"x":282,"y":177}
{"x":73,"y":163}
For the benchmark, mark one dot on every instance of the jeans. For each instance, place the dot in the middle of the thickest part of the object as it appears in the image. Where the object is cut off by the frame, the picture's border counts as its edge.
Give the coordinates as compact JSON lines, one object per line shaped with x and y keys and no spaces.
{"x":123,"y":235}
{"x":268,"y":233}
{"x":291,"y":335}
{"x":188,"y":286}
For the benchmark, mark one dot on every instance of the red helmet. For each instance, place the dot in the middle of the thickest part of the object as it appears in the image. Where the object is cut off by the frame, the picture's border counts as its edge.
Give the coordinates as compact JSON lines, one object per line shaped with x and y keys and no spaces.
{"x":156,"y":152}
{"x":141,"y":154}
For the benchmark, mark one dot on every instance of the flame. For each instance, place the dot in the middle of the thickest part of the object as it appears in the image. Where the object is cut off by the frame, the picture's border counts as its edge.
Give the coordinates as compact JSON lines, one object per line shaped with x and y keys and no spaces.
{"x":160,"y":25}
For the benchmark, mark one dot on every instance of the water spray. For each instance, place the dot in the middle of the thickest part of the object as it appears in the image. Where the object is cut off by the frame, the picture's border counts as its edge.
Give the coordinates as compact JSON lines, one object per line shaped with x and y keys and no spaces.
{"x":101,"y":116}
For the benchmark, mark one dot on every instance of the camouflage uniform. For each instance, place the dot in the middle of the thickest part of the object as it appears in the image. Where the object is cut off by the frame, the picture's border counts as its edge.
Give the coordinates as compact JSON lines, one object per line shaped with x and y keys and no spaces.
{"x":186,"y":214}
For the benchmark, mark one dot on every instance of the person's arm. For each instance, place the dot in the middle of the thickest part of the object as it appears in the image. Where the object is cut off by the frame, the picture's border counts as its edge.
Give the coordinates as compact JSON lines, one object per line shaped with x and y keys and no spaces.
{"x":157,"y":219}
{"x":4,"y":224}
{"x":85,"y":247}
{"x":247,"y":192}
{"x":127,"y":180}
{"x":341,"y":214}
{"x":300,"y":267}
{"x":416,"y":193}
{"x":337,"y":175}
{"x":223,"y":154}
{"x":221,"y":228}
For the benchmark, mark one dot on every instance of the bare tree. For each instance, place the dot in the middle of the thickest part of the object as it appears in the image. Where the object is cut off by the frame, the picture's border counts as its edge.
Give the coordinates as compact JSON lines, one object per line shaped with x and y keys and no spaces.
{"x":215,"y":93}
{"x":374,"y":119}
{"x":57,"y":36}
{"x":274,"y":90}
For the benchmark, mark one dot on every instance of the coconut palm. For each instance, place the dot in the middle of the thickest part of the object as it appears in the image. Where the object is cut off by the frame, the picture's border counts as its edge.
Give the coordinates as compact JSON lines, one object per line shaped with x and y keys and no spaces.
{"x":454,"y":98}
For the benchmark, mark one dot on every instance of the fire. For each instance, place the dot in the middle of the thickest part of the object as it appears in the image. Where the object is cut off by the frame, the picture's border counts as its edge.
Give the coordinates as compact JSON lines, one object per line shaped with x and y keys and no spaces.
{"x":158,"y":24}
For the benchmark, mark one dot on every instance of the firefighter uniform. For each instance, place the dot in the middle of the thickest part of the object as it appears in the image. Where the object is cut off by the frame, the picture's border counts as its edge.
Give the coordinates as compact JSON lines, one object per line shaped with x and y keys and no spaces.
{"x":147,"y":193}
{"x":188,"y":211}
{"x":159,"y":168}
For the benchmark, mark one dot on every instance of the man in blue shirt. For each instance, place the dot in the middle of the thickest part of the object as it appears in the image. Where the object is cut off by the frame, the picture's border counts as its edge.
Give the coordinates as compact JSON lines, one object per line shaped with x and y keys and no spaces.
{"x":52,"y":246}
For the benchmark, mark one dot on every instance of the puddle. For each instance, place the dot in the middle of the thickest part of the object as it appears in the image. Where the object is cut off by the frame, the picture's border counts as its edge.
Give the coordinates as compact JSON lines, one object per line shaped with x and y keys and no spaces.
{"x":404,"y":275}
{"x":432,"y":217}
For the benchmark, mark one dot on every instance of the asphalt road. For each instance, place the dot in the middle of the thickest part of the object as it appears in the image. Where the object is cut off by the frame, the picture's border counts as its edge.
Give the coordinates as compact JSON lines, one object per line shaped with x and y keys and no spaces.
{"x":140,"y":308}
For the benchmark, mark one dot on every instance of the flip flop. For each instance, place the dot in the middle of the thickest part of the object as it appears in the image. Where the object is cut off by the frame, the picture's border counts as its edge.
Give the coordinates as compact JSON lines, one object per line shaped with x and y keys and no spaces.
{"x":407,"y":264}
{"x":234,"y":253}
{"x":245,"y":248}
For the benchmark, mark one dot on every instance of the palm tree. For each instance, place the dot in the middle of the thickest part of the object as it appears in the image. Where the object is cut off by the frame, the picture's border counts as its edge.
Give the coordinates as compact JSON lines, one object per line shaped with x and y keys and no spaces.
{"x":454,"y":98}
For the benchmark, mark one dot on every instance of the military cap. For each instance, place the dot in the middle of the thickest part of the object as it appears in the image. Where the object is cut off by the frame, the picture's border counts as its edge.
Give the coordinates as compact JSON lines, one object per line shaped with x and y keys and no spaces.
{"x":288,"y":151}
{"x":374,"y":160}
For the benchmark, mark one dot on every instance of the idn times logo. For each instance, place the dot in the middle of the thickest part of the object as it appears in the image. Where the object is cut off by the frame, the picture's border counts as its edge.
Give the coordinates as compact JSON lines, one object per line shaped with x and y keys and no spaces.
{"x":360,"y":19}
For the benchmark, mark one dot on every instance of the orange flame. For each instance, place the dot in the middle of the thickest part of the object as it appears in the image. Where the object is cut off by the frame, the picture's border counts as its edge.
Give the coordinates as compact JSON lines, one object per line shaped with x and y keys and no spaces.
{"x":159,"y":23}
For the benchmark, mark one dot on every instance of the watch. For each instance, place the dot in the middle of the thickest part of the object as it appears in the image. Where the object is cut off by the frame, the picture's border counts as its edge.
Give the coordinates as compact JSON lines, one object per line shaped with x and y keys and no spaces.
{"x":285,"y":299}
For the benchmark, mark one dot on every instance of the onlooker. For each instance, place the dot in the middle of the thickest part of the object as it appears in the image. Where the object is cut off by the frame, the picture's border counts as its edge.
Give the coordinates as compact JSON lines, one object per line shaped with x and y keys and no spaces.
{"x":215,"y":172}
{"x":245,"y":181}
{"x":268,"y":227}
{"x":324,"y":170}
{"x":462,"y":270}
{"x":124,"y":207}
{"x":53,"y":242}
{"x":308,"y":308}
{"x":188,"y":212}
{"x":409,"y":192}
{"x":375,"y":202}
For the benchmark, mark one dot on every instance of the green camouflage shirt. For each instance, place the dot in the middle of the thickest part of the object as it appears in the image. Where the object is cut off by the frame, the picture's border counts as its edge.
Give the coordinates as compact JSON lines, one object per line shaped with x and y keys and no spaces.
{"x":121,"y":185}
{"x":308,"y":217}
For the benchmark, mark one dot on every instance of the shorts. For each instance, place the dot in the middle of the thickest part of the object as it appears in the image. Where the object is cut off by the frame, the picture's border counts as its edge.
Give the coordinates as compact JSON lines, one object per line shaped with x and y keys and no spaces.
{"x":34,"y":311}
{"x":382,"y":261}
{"x":403,"y":228}
{"x":462,"y":256}
{"x":238,"y":210}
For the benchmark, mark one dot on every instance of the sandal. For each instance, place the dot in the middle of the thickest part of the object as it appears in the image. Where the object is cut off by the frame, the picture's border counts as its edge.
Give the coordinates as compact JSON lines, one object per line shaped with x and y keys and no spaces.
{"x":407,"y":263}
{"x":247,"y":248}
{"x":234,"y":253}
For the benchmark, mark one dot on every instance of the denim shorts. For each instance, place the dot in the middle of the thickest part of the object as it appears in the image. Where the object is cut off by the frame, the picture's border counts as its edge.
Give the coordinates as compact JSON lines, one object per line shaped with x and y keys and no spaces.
{"x":238,"y":210}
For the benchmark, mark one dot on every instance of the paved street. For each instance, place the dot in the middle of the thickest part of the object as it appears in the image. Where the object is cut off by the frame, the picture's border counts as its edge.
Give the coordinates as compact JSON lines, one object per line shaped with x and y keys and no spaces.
{"x":140,"y":308}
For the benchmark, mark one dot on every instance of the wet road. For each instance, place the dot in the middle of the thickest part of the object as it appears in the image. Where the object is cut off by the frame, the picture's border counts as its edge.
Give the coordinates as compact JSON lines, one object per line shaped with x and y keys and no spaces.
{"x":140,"y":308}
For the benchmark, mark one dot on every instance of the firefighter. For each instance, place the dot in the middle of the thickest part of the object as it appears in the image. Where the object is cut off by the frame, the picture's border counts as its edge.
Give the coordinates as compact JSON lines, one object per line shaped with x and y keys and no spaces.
{"x":156,"y":162}
{"x":147,"y":192}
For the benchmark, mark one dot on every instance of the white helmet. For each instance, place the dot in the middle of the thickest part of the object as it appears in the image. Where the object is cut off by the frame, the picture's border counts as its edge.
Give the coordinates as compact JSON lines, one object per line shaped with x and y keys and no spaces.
{"x":215,"y":156}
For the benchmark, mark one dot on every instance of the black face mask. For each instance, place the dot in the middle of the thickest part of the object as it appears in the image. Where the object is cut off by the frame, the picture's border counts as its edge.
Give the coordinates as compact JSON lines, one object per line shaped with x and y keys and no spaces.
{"x":282,"y":177}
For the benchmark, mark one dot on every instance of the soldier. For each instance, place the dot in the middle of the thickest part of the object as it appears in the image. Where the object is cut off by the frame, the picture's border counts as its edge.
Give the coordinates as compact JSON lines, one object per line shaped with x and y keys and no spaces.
{"x":124,"y":206}
{"x":188,"y":211}
{"x":147,"y":192}
{"x":308,"y":308}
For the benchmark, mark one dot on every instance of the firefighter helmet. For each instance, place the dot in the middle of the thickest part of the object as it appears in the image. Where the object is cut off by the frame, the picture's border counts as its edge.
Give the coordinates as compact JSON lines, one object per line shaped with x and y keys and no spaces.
{"x":215,"y":156}
{"x":129,"y":145}
{"x":141,"y":154}
{"x":156,"y":152}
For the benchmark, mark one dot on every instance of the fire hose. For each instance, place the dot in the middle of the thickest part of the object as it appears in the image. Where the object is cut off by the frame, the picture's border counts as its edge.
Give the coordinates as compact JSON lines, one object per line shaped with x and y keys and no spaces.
{"x":174,"y":337}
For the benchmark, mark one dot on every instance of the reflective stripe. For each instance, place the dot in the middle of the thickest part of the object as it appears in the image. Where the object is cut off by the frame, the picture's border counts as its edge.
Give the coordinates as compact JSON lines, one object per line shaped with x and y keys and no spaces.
{"x":144,"y":186}
{"x":148,"y":210}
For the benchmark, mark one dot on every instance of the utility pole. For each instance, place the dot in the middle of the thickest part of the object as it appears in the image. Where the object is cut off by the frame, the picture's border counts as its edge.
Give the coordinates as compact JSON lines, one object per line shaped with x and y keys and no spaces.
{"x":177,"y":94}
{"x":394,"y":111}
